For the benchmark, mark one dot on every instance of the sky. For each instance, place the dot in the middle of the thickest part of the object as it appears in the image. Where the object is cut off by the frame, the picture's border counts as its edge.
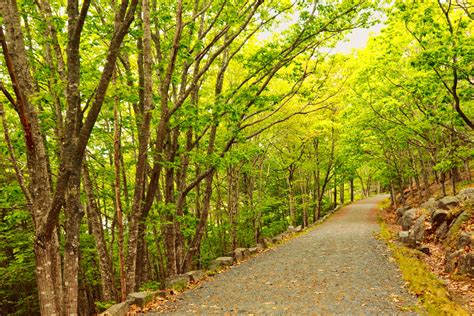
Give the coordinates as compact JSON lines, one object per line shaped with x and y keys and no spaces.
{"x":355,"y":40}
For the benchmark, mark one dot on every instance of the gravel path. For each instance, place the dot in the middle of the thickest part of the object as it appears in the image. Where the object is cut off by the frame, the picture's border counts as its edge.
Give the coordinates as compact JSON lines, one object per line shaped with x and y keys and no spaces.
{"x":336,"y":268}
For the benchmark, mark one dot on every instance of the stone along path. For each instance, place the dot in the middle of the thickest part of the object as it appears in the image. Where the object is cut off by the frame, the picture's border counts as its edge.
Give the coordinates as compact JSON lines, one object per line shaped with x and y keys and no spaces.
{"x":336,"y":268}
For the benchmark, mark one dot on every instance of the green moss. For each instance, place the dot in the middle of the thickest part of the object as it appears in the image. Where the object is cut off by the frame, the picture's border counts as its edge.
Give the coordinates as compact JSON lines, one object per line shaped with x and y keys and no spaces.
{"x":180,"y":286}
{"x":455,"y":229}
{"x":103,"y":306}
{"x":429,"y":289}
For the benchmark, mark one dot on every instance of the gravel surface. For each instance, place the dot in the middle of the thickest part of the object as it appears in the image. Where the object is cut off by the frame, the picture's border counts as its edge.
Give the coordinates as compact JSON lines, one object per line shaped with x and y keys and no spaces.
{"x":335,"y":268}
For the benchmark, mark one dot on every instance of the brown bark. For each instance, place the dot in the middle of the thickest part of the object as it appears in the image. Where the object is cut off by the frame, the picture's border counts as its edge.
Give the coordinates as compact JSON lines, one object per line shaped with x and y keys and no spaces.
{"x":95,"y":222}
{"x":233,"y":176}
{"x":47,"y":203}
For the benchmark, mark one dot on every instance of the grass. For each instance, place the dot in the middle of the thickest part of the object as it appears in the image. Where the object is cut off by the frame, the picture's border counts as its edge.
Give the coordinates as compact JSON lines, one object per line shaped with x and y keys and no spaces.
{"x":430,"y":291}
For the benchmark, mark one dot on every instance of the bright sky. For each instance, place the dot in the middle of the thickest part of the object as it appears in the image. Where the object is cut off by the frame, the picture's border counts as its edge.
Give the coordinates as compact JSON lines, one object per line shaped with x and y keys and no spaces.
{"x":357,"y":39}
{"x":354,"y":40}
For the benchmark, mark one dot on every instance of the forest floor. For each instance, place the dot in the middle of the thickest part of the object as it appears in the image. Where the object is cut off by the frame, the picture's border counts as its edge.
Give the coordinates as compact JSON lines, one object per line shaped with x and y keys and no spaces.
{"x":338,"y":267}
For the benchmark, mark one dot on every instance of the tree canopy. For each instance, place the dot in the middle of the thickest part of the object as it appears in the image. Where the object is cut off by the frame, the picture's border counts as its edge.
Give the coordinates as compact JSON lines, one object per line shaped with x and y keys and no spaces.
{"x":142,"y":139}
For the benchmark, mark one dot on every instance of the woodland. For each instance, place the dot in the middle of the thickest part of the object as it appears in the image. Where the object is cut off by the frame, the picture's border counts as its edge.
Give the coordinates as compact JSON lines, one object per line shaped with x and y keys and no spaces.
{"x":143,"y":139}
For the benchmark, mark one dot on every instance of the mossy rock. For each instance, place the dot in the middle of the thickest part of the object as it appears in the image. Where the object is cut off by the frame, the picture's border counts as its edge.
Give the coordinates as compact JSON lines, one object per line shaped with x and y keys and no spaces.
{"x":455,"y":228}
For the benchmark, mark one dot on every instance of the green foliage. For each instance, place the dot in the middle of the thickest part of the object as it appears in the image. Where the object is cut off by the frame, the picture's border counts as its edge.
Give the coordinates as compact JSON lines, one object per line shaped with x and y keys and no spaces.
{"x":103,"y":306}
{"x":150,"y":286}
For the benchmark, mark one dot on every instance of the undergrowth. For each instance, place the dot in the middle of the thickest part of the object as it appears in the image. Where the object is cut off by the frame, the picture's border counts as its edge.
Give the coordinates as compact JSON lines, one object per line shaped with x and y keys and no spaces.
{"x":430,"y":291}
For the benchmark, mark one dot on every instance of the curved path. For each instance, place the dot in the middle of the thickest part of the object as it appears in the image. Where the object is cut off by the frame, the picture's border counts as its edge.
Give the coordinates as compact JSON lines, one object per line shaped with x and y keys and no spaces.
{"x":335,"y":268}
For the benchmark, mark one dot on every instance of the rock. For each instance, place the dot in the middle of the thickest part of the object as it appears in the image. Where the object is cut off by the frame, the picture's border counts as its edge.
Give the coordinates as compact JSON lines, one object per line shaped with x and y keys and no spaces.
{"x":291,"y":229}
{"x":260,"y":246}
{"x":432,"y":205}
{"x":408,"y":218}
{"x":253,"y":250}
{"x":457,"y":222}
{"x":467,"y":191}
{"x":277,"y":239}
{"x":178,"y":282}
{"x":465,"y":240}
{"x":424,"y":249}
{"x":298,"y":228}
{"x":418,"y":230}
{"x":140,"y":298}
{"x":241,"y":253}
{"x":222,"y":261}
{"x":466,"y":264}
{"x":237,"y":255}
{"x":402,"y":210}
{"x":442,"y":230}
{"x":406,"y":238}
{"x":120,"y":309}
{"x":438,"y":217}
{"x":195,"y":275}
{"x":466,"y":195}
{"x":450,"y":201}
{"x":267,"y":242}
{"x":452,"y":260}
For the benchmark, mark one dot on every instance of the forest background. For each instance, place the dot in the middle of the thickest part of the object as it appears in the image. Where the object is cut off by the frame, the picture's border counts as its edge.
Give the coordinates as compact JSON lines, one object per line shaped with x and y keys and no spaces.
{"x":142,"y":139}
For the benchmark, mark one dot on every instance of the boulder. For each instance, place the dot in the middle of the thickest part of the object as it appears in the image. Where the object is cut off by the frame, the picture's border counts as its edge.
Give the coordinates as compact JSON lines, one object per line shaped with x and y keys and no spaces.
{"x":195,"y":275}
{"x":466,"y":264}
{"x":298,"y":228}
{"x":120,"y":309}
{"x":442,"y":230}
{"x":469,"y":191}
{"x":408,"y":218}
{"x":417,"y":232}
{"x":178,"y":282}
{"x":402,"y":210}
{"x":260,"y":246}
{"x":267,"y":242}
{"x":221,"y":261}
{"x":242,"y":253}
{"x":224,"y":261}
{"x":406,"y":238}
{"x":291,"y":229}
{"x":466,"y":195}
{"x":432,"y":205}
{"x":253,"y":250}
{"x":450,"y":201}
{"x":140,"y":298}
{"x":452,"y":260}
{"x":277,"y":239}
{"x":438,"y":217}
{"x":465,"y":240}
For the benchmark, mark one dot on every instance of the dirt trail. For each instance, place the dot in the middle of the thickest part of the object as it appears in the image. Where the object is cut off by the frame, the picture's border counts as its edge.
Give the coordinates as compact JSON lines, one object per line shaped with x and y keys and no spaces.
{"x":336,"y":268}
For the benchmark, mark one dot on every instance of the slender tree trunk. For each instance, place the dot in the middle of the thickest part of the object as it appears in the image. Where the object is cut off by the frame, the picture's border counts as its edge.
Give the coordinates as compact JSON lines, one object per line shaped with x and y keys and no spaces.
{"x":453,"y":179}
{"x":352,"y":189}
{"x":95,"y":222}
{"x":443,"y":184}
{"x":467,"y":170}
{"x":341,"y":194}
{"x":233,"y":202}
{"x":291,"y":195}
{"x":393,"y":195}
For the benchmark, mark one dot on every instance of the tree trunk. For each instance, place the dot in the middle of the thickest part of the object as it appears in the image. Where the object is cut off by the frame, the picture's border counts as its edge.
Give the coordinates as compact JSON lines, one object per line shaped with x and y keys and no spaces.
{"x":95,"y":222}
{"x":352,"y":189}
{"x":73,"y":214}
{"x":341,"y":194}
{"x":233,"y":202}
